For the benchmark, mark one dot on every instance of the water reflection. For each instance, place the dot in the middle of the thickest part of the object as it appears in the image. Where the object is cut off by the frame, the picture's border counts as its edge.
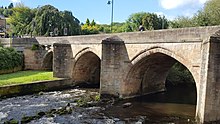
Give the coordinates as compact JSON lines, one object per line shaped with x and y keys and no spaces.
{"x":176,"y":105}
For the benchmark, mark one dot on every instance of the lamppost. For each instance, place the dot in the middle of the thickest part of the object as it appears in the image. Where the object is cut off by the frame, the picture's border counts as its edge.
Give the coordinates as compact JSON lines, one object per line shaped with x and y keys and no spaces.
{"x":111,"y":2}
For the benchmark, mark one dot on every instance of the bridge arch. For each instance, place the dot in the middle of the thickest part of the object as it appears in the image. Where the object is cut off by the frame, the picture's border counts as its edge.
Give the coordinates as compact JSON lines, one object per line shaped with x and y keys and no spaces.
{"x":47,"y":63}
{"x":150,"y":69}
{"x":86,"y":68}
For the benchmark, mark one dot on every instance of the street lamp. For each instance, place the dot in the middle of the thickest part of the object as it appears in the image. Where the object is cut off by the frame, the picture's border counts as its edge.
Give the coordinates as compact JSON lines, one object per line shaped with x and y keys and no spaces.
{"x":111,"y":2}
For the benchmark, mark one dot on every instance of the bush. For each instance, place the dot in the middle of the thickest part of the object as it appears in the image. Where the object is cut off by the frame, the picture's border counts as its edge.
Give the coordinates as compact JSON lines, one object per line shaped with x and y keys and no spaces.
{"x":10,"y":58}
{"x":1,"y":45}
{"x":35,"y":47}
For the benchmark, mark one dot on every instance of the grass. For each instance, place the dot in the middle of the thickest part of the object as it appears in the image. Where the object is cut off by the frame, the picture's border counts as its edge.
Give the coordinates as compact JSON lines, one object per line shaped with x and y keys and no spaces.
{"x":24,"y":77}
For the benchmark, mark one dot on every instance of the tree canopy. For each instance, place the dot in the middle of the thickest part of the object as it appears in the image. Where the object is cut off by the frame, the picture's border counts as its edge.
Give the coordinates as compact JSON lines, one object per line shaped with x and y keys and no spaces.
{"x":43,"y":21}
{"x":150,"y":21}
{"x":6,"y":11}
{"x":48,"y":20}
{"x":209,"y":15}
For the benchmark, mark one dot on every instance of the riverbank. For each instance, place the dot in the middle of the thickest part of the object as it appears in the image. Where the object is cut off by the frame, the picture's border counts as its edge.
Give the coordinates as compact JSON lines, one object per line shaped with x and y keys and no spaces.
{"x":35,"y":87}
{"x":25,"y":77}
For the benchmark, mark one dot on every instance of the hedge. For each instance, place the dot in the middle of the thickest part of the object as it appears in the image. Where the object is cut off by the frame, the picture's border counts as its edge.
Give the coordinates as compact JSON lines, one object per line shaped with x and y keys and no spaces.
{"x":10,"y":58}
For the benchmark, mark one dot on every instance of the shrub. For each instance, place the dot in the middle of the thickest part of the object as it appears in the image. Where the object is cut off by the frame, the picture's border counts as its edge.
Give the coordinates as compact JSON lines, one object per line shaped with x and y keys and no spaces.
{"x":1,"y":45}
{"x":10,"y":58}
{"x":35,"y":47}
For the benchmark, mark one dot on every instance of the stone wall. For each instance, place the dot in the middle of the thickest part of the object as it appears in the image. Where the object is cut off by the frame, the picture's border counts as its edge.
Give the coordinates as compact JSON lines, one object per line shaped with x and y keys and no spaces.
{"x":35,"y":87}
{"x":33,"y":59}
{"x":18,"y":43}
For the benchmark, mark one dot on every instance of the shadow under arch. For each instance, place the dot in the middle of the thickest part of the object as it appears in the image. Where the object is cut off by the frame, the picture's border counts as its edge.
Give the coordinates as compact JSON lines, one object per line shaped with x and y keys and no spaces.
{"x":149,"y":71}
{"x":86,"y":69}
{"x":47,"y":63}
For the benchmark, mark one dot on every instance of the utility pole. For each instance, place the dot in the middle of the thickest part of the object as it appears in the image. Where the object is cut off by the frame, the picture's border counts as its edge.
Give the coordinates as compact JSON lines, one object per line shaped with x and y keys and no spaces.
{"x":111,"y":2}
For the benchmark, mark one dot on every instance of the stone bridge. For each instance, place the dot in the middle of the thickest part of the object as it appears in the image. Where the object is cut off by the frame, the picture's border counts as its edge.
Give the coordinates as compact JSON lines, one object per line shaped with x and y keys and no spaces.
{"x":132,"y":64}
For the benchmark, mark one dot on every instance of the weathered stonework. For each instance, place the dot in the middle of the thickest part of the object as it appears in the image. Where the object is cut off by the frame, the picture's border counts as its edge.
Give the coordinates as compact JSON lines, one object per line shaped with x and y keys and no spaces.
{"x":38,"y":59}
{"x":63,"y":60}
{"x":137,"y":63}
{"x":112,"y":65}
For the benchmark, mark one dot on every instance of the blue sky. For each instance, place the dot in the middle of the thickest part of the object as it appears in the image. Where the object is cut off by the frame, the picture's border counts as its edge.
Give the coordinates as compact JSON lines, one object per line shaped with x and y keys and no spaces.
{"x":100,"y":11}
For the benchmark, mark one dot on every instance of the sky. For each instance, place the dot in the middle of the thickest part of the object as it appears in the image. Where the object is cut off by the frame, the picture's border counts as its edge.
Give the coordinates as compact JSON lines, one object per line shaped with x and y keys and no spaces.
{"x":100,"y":11}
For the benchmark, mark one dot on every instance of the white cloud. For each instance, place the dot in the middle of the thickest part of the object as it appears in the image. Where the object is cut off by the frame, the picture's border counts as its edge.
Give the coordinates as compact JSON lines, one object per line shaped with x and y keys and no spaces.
{"x":169,"y":17}
{"x":202,"y":1}
{"x":15,"y":1}
{"x":172,"y":4}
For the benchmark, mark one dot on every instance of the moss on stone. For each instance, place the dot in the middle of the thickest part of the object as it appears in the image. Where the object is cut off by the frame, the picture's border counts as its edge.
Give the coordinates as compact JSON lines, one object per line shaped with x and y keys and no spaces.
{"x":12,"y":121}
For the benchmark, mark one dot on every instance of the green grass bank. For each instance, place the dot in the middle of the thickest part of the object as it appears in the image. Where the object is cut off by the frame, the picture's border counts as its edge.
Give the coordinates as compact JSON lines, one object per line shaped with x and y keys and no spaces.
{"x":25,"y":77}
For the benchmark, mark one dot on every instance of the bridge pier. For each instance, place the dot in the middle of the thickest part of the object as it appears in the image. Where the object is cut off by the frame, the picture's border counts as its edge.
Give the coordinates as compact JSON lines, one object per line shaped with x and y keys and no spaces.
{"x":208,"y":102}
{"x":63,"y":60}
{"x":113,"y":64}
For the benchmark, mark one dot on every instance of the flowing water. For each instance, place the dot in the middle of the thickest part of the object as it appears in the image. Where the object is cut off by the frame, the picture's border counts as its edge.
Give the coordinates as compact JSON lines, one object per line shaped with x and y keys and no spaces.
{"x":177,"y":105}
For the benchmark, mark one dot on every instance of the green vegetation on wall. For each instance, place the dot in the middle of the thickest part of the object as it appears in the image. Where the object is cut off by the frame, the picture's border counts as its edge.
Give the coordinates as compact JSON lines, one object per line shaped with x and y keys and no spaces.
{"x":10,"y":58}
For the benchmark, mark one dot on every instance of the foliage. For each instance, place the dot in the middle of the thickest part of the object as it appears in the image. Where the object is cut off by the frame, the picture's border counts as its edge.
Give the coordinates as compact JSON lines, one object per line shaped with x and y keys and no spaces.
{"x":181,"y":22}
{"x":10,"y":6}
{"x":42,"y":21}
{"x":89,"y":28}
{"x":150,"y":21}
{"x":10,"y":58}
{"x":1,"y":45}
{"x":97,"y":98}
{"x":35,"y":47}
{"x":23,"y":77}
{"x":6,"y":11}
{"x":20,"y":19}
{"x":208,"y":16}
{"x":179,"y":74}
{"x":211,"y":12}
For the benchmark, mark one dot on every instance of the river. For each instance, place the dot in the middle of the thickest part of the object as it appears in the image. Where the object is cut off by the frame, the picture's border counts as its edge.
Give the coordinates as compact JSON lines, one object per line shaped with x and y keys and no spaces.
{"x":177,"y":105}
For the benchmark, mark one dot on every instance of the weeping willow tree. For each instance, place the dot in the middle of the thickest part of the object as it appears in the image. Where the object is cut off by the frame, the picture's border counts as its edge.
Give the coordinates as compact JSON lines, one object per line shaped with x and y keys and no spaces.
{"x":49,"y":18}
{"x":43,"y":21}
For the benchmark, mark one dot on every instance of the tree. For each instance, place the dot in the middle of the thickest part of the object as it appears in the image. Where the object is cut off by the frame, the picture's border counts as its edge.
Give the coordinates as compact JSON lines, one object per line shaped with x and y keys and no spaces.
{"x":150,"y":21}
{"x":201,"y":19}
{"x":208,"y":16}
{"x":93,"y":23}
{"x":87,"y":22}
{"x":182,"y":22}
{"x":48,"y":18}
{"x":43,"y":21}
{"x":70,"y":22}
{"x":211,"y":12}
{"x":10,"y":6}
{"x":89,"y":28}
{"x":20,"y":19}
{"x":136,"y":20}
